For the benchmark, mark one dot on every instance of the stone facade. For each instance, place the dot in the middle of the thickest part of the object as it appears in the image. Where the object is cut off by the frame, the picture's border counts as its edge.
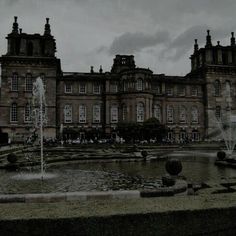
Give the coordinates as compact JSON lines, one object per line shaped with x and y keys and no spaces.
{"x":81,"y":104}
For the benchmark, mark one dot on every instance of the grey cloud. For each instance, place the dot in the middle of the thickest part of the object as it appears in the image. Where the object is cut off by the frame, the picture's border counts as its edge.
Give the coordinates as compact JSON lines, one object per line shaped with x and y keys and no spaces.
{"x":180,"y":45}
{"x":11,"y":2}
{"x":135,"y":42}
{"x":82,"y":25}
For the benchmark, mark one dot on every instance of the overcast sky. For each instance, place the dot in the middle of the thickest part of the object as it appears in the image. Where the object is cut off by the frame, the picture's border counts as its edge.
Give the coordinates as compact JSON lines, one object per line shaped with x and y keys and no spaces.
{"x":160,"y":33}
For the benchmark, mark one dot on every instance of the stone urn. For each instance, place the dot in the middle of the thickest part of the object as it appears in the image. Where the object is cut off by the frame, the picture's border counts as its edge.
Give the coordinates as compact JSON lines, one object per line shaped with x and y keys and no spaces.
{"x":12,"y":162}
{"x":144,"y":153}
{"x":221,"y":155}
{"x":173,"y":166}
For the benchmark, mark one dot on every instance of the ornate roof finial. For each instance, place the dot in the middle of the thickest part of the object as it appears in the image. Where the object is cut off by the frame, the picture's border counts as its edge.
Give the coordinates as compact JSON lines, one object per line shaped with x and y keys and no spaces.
{"x":208,"y":39}
{"x":47,"y":29}
{"x":15,"y":26}
{"x":232,"y":39}
{"x":195,"y":46}
{"x":91,"y":69}
{"x":100,"y":70}
{"x":218,"y":43}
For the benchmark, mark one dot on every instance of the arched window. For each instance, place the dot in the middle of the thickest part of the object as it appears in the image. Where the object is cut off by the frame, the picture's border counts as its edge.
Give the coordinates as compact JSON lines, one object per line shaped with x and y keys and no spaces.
{"x":68,"y":114}
{"x":170,"y":114}
{"x":114,"y":114}
{"x":157,"y":112}
{"x":13,"y":113}
{"x":217,"y":88}
{"x":140,"y":112}
{"x":194,"y":115}
{"x":218,"y":112}
{"x":139,"y":84}
{"x":124,"y":112}
{"x":30,"y":49}
{"x":195,"y":135}
{"x":28,"y":115}
{"x":182,"y":115}
{"x":14,"y":82}
{"x":82,"y":113}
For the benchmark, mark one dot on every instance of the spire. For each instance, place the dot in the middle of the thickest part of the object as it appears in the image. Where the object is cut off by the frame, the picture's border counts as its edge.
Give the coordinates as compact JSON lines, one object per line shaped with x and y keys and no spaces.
{"x":232,"y":39}
{"x":15,"y":26}
{"x":208,"y":39}
{"x":100,"y":70}
{"x":47,"y":30}
{"x":195,"y":46}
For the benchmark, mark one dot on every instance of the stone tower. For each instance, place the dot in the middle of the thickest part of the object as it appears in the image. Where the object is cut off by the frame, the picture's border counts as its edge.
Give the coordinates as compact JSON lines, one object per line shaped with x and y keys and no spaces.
{"x":216,"y":65}
{"x":28,"y":56}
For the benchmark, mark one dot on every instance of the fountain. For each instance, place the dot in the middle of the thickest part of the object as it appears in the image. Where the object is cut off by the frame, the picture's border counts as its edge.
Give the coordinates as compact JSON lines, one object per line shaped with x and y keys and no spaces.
{"x":39,"y":103}
{"x":39,"y":117}
{"x":226,"y":123}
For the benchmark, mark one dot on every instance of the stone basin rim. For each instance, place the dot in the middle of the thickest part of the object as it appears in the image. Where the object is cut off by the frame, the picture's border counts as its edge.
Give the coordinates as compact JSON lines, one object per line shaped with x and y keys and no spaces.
{"x":179,"y":187}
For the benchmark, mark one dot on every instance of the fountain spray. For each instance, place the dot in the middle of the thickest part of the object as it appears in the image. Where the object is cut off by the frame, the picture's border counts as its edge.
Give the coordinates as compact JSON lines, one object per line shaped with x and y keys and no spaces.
{"x":39,"y":103}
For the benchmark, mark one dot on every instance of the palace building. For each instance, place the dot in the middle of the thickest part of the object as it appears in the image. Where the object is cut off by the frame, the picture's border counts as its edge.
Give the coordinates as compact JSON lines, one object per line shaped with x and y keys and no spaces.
{"x":78,"y":104}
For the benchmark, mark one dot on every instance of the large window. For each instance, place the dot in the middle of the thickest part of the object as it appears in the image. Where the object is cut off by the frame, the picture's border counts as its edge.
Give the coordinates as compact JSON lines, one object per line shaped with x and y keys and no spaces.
{"x":170,"y":136}
{"x":139,"y":84}
{"x":169,"y":90}
{"x":114,"y":114}
{"x":217,"y":88}
{"x":96,"y":88}
{"x":82,"y":88}
{"x":14,"y":82}
{"x":181,"y":90}
{"x":195,"y":135}
{"x":140,"y":112}
{"x":194,"y":91}
{"x":68,"y":113}
{"x":182,"y":135}
{"x":182,"y":115}
{"x":28,"y":83}
{"x":157,"y":112}
{"x":82,"y":113}
{"x":13,"y":113}
{"x":96,"y":114}
{"x":113,"y":88}
{"x":218,"y":112}
{"x":124,"y":112}
{"x":28,"y":115}
{"x":68,"y":88}
{"x":194,"y":115}
{"x":228,"y":88}
{"x":156,"y":87}
{"x":170,"y":114}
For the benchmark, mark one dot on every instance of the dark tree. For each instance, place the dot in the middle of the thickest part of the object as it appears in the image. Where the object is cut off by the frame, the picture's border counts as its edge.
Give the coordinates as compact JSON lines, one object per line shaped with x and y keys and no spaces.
{"x":129,"y":131}
{"x":150,"y":129}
